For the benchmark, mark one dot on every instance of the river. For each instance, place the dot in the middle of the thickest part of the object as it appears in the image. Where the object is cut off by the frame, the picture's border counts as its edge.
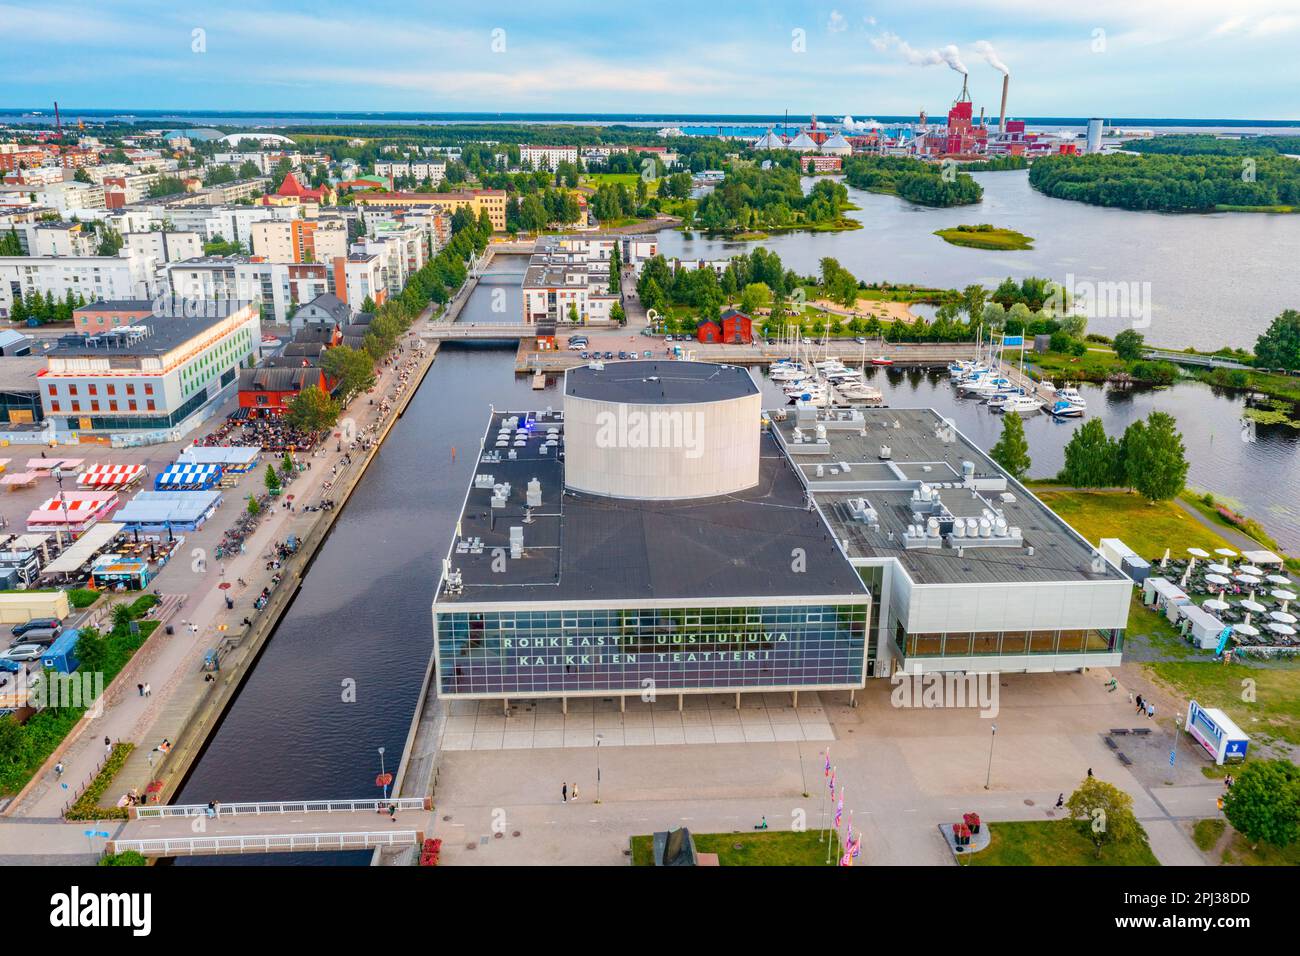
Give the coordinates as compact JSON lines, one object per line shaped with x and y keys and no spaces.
{"x":1210,"y":280}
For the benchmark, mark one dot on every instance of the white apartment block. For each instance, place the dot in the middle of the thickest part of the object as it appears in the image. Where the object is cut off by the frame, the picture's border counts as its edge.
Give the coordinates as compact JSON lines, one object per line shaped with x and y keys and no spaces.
{"x":61,"y":239}
{"x":69,"y":195}
{"x":124,"y":276}
{"x":164,"y":247}
{"x":547,"y":157}
{"x":417,"y":170}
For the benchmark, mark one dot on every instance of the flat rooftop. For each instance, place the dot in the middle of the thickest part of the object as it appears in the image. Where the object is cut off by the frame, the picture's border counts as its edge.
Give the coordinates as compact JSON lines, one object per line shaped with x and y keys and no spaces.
{"x":926,"y":448}
{"x":162,"y":333}
{"x":653,"y":382}
{"x":580,"y":547}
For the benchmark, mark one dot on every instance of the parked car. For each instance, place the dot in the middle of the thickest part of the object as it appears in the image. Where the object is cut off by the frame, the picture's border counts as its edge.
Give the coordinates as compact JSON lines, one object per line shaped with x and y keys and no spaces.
{"x":609,"y":355}
{"x":668,"y":338}
{"x":37,"y":635}
{"x":860,"y":340}
{"x":23,"y":652}
{"x":807,"y":341}
{"x":34,"y":623}
{"x":584,"y":354}
{"x":645,"y":354}
{"x":622,"y":355}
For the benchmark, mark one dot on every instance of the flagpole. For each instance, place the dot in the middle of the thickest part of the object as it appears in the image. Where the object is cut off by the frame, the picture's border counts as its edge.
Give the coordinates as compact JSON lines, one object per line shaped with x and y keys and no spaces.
{"x":836,"y":829}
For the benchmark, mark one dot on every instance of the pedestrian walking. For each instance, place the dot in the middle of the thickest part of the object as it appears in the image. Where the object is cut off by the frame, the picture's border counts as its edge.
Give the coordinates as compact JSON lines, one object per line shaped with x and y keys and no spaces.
{"x":392,"y":812}
{"x":108,"y":745}
{"x":573,"y":795}
{"x":564,"y":792}
{"x":1151,"y":709}
{"x":140,"y":689}
{"x":148,"y":690}
{"x":1141,"y":704}
{"x":58,"y":770}
{"x":1060,"y":801}
{"x":1090,"y":772}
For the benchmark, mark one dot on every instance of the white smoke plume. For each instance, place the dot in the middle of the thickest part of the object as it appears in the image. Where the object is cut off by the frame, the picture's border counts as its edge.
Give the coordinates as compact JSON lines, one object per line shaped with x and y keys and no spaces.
{"x":952,"y":56}
{"x":985,"y":49}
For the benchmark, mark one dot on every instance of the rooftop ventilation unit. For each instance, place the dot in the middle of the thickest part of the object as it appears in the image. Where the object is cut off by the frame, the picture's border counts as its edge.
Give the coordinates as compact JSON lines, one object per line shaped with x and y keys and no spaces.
{"x":534,"y":494}
{"x":860,"y":509}
{"x":516,"y":541}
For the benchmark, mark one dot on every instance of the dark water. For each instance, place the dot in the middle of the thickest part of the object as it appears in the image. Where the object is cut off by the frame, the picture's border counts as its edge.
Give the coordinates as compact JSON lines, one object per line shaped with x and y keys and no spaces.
{"x":1211,"y":280}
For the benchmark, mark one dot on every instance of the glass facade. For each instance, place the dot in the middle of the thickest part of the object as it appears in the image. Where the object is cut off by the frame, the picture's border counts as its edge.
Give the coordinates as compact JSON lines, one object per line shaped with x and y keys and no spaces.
{"x":1004,"y":643}
{"x":632,"y":649}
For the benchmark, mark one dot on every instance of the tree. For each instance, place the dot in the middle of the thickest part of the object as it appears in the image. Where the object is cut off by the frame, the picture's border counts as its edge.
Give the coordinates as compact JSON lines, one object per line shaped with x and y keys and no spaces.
{"x":1128,"y":345}
{"x":1012,"y":450}
{"x":615,"y":270}
{"x":1279,"y":346}
{"x":1107,"y":812}
{"x":1155,"y":460}
{"x":755,"y":296}
{"x":121,"y":616}
{"x":253,"y":507}
{"x":573,"y":312}
{"x":1092,"y":458}
{"x":617,"y":314}
{"x":312,"y":410}
{"x":92,"y":650}
{"x":272,"y":479}
{"x":353,"y":369}
{"x":1263,"y":803}
{"x":287,"y":467}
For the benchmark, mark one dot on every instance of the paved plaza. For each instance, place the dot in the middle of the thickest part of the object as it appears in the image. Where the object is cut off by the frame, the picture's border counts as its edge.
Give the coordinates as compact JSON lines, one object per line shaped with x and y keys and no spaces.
{"x":904,"y":771}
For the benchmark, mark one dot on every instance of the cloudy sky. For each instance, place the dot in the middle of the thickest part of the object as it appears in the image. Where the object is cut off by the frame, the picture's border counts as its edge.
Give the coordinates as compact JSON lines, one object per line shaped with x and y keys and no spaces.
{"x":1112,"y":58}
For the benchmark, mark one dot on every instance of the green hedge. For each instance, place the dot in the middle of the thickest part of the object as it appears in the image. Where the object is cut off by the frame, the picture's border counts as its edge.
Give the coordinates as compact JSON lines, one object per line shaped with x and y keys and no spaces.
{"x":125,"y":858}
{"x":87,"y":805}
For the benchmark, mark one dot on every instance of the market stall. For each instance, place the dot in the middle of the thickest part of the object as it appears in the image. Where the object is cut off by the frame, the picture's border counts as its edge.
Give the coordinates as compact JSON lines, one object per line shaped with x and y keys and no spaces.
{"x":169,"y":510}
{"x":74,"y":511}
{"x":111,"y":476}
{"x":182,"y":477}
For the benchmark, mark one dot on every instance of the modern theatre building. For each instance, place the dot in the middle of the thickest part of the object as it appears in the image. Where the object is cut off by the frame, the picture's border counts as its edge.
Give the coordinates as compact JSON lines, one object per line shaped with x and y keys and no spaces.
{"x":661,"y":535}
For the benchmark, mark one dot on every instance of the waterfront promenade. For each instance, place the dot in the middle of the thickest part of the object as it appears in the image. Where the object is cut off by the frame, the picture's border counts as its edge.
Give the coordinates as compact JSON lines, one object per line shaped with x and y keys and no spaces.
{"x":185,"y":705}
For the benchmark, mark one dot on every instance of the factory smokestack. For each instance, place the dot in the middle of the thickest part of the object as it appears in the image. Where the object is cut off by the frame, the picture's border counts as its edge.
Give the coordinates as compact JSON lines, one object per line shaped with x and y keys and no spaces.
{"x":981,"y":116}
{"x":1002,"y":120}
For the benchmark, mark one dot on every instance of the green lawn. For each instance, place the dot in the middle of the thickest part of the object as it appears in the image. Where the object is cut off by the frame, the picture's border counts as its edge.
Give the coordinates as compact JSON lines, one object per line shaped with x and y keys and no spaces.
{"x":1275,"y":710}
{"x":1206,"y":832}
{"x":1146,"y":528}
{"x":767,"y":848}
{"x":1160,"y":635}
{"x":977,"y":237}
{"x":1054,"y":843}
{"x":628,"y":180}
{"x":1239,"y":852}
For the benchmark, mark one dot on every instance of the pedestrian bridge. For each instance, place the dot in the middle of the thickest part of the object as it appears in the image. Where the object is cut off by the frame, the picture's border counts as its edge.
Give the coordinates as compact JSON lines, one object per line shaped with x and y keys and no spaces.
{"x":469,"y":331}
{"x":303,"y":826}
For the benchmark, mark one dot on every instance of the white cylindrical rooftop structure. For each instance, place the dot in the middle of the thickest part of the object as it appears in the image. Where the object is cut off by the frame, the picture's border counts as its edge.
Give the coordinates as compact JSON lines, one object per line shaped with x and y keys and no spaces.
{"x":661,"y":430}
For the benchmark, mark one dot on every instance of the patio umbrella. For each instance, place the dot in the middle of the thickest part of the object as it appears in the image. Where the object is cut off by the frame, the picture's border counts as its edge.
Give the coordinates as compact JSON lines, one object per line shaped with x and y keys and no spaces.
{"x":1279,"y":579}
{"x":1253,"y":606}
{"x":1214,"y":604}
{"x":1281,"y":628}
{"x":1247,"y":629}
{"x":1282,"y":617}
{"x":1198,"y":552}
{"x":1286,"y":597}
{"x":1216,"y":579}
{"x":1164,"y":562}
{"x":1248,"y":579}
{"x":1219,"y":568}
{"x":1226,"y":552}
{"x":1250,"y":569}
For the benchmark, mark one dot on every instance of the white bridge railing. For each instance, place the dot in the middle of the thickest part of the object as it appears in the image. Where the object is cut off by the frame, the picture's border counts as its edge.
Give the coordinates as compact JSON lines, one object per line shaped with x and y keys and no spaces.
{"x":267,"y":843}
{"x":280,"y":806}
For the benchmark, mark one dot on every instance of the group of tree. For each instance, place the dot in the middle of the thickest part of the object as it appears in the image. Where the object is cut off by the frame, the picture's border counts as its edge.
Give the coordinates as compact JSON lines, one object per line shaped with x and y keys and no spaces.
{"x":1170,"y":183}
{"x":1263,"y":803}
{"x":1279,"y":345}
{"x":927,"y":184}
{"x":10,"y":244}
{"x":44,"y":308}
{"x":754,"y":198}
{"x":1149,"y":458}
{"x":1207,"y":144}
{"x":166,"y":186}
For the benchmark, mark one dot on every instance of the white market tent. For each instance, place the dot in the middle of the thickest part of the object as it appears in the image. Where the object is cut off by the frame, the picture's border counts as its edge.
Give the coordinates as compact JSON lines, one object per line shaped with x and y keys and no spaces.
{"x":179,"y":510}
{"x":83,"y":549}
{"x":230,"y":457}
{"x":1261,"y":557}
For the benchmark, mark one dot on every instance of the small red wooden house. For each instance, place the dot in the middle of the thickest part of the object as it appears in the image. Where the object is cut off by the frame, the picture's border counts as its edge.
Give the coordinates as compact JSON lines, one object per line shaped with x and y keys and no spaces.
{"x":737,"y":329}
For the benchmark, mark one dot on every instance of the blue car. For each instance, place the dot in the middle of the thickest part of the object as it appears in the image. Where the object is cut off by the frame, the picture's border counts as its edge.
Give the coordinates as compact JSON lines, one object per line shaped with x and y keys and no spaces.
{"x":583,"y":355}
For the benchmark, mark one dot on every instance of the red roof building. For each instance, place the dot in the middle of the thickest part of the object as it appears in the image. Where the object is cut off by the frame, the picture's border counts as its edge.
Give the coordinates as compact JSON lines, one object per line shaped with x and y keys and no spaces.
{"x":708,"y":333}
{"x":292,"y":188}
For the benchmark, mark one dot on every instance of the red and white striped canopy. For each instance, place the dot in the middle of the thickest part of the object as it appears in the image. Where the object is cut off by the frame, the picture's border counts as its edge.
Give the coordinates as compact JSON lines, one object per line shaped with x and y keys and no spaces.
{"x":110,"y":476}
{"x":80,"y":506}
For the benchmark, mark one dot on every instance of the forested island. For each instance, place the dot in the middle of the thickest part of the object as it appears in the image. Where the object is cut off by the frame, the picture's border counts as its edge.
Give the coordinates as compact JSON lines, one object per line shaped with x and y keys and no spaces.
{"x":771,"y":200}
{"x":1173,"y":182}
{"x":923,"y":183}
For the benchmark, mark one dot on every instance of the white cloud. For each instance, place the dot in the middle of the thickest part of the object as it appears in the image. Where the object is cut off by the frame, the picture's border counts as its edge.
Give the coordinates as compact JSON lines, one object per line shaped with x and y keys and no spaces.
{"x":837,"y":23}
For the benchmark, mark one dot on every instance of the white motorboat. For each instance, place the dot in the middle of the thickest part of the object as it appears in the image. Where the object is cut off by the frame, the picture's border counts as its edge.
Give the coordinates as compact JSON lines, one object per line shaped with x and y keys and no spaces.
{"x":786,"y":372}
{"x":1022,"y":404}
{"x":815,"y":394}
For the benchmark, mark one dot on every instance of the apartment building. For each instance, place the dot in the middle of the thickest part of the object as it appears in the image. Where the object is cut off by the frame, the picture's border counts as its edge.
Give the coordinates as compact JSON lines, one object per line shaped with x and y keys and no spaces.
{"x":547,"y":157}
{"x":300,"y":240}
{"x":125,"y":276}
{"x":493,"y":201}
{"x":61,"y":239}
{"x":164,"y":247}
{"x":419,"y":170}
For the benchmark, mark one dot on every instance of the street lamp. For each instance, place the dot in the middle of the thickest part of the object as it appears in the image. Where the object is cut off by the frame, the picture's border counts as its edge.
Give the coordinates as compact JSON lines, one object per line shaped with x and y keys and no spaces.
{"x":383,"y":773}
{"x":989,"y":776}
{"x":57,"y":473}
{"x":599,"y":738}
